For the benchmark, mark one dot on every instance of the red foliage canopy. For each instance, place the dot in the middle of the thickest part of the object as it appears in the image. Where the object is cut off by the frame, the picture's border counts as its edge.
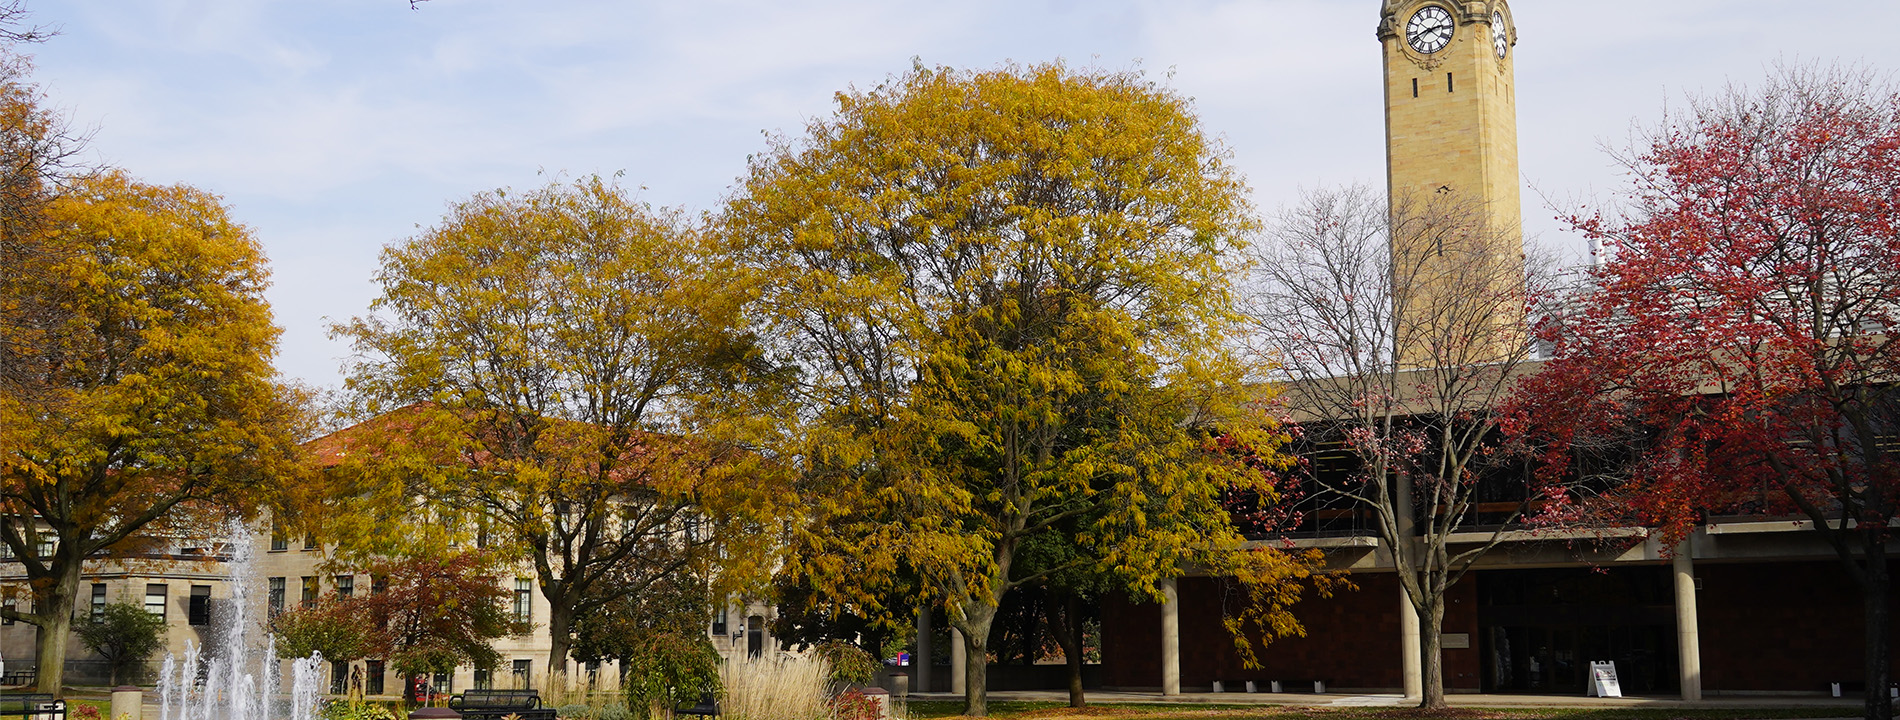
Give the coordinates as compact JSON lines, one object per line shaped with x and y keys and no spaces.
{"x":1739,"y":341}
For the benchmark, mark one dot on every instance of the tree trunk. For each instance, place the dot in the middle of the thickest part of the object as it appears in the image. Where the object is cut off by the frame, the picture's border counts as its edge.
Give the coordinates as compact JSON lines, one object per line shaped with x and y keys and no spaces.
{"x":1879,"y":704}
{"x":1072,"y":652}
{"x":560,"y":638}
{"x":976,"y":657}
{"x":1432,"y":661}
{"x":54,"y":607}
{"x":1065,"y":624}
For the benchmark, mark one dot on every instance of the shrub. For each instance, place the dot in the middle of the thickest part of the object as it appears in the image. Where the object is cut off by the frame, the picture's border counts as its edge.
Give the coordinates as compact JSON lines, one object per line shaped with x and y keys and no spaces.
{"x":614,"y":711}
{"x":85,"y":712}
{"x":853,"y":705}
{"x":125,"y":635}
{"x":356,"y":710}
{"x":670,"y":669}
{"x":575,"y":710}
{"x":850,"y":665}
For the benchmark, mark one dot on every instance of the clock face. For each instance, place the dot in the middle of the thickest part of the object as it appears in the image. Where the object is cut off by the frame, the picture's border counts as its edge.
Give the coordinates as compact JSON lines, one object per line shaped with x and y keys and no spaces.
{"x":1500,"y":40}
{"x":1429,"y":29}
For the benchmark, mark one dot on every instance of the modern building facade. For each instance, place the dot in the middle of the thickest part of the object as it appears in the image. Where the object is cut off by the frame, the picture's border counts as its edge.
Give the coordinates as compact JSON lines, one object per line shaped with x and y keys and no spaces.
{"x":1746,"y":605}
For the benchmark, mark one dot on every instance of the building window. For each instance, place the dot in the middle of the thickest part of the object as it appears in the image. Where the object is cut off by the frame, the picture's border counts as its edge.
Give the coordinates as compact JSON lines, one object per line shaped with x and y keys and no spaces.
{"x":484,"y":678}
{"x":47,"y":546}
{"x":155,"y":599}
{"x":375,"y":670}
{"x":199,"y":613}
{"x":521,"y":674}
{"x":345,"y":585}
{"x":719,"y":622}
{"x":524,"y":600}
{"x":308,"y":596}
{"x":593,"y":674}
{"x":278,"y":542}
{"x":339,"y":677}
{"x":99,"y":602}
{"x":378,"y":584}
{"x":276,"y":596}
{"x":444,"y":684}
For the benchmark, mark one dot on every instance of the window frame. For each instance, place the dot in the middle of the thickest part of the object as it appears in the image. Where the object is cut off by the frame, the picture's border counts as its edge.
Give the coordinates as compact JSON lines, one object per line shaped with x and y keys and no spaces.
{"x":524,"y":600}
{"x":373,"y":672}
{"x":279,"y":588}
{"x":198,"y":609}
{"x":163,"y":596}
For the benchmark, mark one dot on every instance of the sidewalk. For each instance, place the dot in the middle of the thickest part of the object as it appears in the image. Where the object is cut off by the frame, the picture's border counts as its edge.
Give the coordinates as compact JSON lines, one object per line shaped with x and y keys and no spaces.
{"x":1455,"y":699}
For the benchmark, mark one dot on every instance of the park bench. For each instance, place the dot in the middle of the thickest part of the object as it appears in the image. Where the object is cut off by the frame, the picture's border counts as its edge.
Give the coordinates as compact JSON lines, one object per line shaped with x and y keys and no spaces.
{"x":32,"y":706}
{"x":30,"y":676}
{"x":498,"y":704}
{"x":708,"y":706}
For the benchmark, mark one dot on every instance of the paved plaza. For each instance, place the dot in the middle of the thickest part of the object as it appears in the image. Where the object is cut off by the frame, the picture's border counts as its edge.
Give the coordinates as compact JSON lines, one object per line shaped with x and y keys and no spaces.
{"x":1851,"y":705}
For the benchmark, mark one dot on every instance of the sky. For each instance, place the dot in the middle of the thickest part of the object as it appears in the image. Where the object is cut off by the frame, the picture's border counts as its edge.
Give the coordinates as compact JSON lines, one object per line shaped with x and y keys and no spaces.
{"x":335,"y":128}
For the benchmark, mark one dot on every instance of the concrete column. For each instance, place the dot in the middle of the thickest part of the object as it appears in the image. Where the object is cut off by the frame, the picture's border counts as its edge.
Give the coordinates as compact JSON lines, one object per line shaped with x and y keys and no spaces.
{"x":1412,"y":662}
{"x":957,"y":654}
{"x":1411,"y":658}
{"x":127,"y":701}
{"x":1170,"y":637}
{"x":920,"y":668}
{"x":1688,"y":642}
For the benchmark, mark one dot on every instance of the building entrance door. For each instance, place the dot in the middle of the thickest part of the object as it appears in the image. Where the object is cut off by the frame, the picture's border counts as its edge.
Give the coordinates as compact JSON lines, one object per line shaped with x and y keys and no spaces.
{"x":1556,"y":659}
{"x":1541,"y":629}
{"x":755,"y":636}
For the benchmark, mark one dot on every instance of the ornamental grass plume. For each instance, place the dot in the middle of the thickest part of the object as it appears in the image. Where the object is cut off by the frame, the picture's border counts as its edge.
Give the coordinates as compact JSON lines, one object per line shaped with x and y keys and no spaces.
{"x":786,"y":688}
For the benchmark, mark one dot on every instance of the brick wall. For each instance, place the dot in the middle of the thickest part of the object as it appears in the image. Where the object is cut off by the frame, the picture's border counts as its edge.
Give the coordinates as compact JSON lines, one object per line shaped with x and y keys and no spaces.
{"x":1351,"y":640}
{"x":1779,"y":626}
{"x":1765,"y":627}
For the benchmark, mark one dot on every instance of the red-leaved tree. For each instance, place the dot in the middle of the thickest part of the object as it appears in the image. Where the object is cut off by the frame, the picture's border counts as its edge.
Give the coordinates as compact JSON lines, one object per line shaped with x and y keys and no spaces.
{"x":423,"y":614}
{"x":1734,"y":354}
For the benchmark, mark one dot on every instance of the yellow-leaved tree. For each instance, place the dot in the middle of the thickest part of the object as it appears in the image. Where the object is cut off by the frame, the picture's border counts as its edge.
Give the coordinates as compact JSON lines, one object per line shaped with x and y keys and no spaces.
{"x":1006,"y":293}
{"x":561,"y":374}
{"x":151,"y":405}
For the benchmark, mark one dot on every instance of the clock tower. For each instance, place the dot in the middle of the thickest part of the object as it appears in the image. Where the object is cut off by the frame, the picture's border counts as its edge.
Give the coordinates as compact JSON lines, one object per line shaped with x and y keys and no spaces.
{"x":1451,"y":143}
{"x":1450,"y":108}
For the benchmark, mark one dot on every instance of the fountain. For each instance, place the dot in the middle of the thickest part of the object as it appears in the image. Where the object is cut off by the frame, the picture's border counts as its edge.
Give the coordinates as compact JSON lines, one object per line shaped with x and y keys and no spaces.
{"x":239,"y":679}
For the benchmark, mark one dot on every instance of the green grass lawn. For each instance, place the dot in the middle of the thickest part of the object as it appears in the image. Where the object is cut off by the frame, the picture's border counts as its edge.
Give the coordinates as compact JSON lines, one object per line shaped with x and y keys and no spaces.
{"x":1108,"y":711}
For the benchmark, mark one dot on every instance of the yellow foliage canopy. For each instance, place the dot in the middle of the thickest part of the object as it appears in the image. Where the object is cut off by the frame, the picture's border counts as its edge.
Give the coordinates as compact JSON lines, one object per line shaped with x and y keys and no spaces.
{"x":567,"y":364}
{"x":1007,"y":293}
{"x":148,"y":400}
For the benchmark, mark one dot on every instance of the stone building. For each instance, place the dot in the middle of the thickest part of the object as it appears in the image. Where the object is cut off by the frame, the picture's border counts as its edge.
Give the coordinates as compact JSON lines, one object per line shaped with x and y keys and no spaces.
{"x":181,"y":580}
{"x":291,"y":571}
{"x":188,"y":582}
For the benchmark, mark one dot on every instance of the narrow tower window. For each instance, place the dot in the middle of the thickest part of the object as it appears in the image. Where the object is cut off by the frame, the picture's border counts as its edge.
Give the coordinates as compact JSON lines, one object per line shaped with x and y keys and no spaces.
{"x":1448,"y":87}
{"x":1414,"y":87}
